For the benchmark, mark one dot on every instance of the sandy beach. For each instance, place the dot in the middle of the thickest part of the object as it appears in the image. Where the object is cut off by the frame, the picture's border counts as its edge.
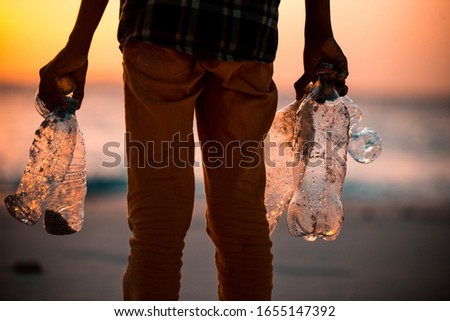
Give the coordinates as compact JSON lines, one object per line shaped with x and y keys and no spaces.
{"x":386,"y":251}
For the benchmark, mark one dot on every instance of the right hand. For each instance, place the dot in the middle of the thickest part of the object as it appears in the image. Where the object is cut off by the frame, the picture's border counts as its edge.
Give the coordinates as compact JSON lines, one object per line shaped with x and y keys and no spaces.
{"x":67,"y":63}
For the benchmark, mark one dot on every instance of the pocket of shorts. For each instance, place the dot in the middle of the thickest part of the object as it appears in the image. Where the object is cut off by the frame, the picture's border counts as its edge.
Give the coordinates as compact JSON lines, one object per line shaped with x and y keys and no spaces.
{"x":258,"y":75}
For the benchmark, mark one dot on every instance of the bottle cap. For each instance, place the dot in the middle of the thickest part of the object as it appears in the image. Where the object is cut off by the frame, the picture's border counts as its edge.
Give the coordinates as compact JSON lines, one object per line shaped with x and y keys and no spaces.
{"x":326,"y":67}
{"x":66,"y":85}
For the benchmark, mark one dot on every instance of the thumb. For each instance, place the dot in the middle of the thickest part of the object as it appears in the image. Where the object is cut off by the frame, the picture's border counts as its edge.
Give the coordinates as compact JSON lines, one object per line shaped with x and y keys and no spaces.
{"x":79,"y":76}
{"x":300,"y":86}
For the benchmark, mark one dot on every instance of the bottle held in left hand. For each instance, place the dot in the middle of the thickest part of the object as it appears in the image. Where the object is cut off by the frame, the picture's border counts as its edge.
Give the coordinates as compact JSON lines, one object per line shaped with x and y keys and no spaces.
{"x":54,"y":180}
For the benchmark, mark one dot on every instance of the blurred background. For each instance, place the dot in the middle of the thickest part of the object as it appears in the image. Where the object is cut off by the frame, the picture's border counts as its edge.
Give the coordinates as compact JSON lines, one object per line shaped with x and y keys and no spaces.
{"x":395,"y":243}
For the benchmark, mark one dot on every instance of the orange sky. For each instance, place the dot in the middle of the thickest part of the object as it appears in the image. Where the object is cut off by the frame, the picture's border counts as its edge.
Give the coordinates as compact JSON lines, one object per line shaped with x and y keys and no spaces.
{"x":392,"y":46}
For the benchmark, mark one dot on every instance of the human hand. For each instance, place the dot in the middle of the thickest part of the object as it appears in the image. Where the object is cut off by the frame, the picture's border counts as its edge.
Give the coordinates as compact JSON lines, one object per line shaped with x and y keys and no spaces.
{"x":317,"y":52}
{"x":67,"y":63}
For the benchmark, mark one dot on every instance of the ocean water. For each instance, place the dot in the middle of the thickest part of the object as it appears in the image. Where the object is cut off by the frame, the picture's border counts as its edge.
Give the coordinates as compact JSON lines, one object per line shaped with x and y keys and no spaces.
{"x":413,"y":166}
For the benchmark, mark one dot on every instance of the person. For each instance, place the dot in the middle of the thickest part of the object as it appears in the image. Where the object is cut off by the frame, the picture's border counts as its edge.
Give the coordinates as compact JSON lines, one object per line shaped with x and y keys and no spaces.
{"x":212,"y":59}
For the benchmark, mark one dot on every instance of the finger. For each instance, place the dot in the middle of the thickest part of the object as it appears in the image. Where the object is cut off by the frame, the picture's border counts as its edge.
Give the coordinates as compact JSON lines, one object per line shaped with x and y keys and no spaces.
{"x":340,"y":86}
{"x":342,"y":74}
{"x":80,"y":80}
{"x":300,"y":86}
{"x":342,"y":90}
{"x":78,"y":93}
{"x":342,"y":70}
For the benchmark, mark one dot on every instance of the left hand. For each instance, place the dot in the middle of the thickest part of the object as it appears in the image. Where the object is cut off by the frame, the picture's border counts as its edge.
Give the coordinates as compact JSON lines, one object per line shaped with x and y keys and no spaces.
{"x":317,"y":52}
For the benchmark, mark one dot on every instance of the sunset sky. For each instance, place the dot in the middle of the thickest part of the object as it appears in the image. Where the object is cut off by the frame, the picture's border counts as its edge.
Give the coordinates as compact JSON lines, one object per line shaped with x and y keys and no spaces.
{"x":393,"y":46}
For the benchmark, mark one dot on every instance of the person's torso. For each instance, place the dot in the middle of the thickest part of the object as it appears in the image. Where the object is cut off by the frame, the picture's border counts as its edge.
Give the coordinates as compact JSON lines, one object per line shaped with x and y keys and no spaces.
{"x":226,"y":30}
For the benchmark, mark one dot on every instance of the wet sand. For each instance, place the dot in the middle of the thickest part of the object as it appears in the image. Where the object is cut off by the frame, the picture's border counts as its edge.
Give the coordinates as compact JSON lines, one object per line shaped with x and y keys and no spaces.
{"x":386,"y":251}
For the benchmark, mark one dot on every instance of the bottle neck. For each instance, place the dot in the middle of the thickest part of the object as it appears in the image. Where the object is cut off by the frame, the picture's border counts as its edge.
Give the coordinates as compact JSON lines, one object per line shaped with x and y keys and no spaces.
{"x":325,"y":87}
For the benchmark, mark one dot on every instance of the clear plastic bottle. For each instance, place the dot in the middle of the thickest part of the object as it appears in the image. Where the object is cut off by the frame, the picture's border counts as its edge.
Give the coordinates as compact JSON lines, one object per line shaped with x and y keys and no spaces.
{"x":50,"y":168}
{"x":322,"y":138}
{"x":279,"y":161}
{"x":283,"y":166}
{"x":49,"y":159}
{"x":365,"y":143}
{"x":64,"y":213}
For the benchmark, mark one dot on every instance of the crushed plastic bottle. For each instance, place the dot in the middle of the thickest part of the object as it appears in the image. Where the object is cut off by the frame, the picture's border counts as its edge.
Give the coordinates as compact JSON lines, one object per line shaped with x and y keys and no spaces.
{"x":64,"y":213}
{"x":321,"y":143}
{"x":57,"y":156}
{"x":49,"y":159}
{"x":290,"y":148}
{"x":283,"y":168}
{"x":279,"y":162}
{"x":365,"y":143}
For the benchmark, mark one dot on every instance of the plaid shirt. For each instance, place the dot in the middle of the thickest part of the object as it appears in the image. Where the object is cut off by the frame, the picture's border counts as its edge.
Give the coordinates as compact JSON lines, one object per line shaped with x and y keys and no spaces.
{"x":220,"y":29}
